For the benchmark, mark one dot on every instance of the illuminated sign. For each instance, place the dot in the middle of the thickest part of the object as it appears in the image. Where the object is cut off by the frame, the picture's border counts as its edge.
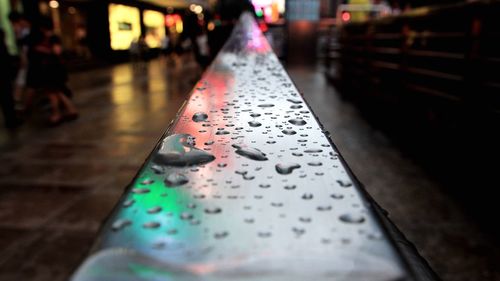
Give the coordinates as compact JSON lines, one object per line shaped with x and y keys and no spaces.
{"x":270,"y":10}
{"x":280,"y":4}
{"x":155,"y":28}
{"x":124,"y":26}
{"x":174,"y":23}
{"x":302,"y":10}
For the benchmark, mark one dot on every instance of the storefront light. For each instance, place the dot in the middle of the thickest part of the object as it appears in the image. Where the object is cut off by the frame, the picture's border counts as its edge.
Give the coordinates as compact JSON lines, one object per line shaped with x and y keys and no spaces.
{"x":198,"y":9}
{"x":124,"y":26}
{"x":54,"y":4}
{"x":179,"y":27}
{"x":155,"y":27}
{"x":210,"y":26}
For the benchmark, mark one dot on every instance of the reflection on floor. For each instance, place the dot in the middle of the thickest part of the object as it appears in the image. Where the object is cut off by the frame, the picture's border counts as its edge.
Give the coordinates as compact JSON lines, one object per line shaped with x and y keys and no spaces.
{"x":58,"y":184}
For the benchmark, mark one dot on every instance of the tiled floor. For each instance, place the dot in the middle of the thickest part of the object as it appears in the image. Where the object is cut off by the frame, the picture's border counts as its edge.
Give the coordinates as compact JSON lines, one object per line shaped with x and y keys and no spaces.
{"x":58,"y":184}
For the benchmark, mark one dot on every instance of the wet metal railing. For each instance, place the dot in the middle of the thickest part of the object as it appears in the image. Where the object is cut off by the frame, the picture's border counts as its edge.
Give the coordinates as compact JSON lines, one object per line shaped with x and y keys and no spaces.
{"x":245,"y":185}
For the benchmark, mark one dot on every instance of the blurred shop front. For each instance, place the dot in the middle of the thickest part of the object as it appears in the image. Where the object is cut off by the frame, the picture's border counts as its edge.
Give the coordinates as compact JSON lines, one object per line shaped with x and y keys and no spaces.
{"x":307,"y":22}
{"x":106,"y":29}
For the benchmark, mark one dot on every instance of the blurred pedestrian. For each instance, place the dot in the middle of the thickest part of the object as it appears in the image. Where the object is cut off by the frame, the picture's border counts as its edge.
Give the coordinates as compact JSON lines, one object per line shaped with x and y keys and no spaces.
{"x":7,"y":75}
{"x":227,"y":13}
{"x":165,"y":45}
{"x":139,"y":52}
{"x":195,"y":32}
{"x":22,"y":30}
{"x":47,"y":73}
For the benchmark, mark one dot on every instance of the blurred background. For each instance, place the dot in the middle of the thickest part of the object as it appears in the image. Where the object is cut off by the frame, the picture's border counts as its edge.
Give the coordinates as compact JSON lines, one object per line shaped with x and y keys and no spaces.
{"x":409,"y":91}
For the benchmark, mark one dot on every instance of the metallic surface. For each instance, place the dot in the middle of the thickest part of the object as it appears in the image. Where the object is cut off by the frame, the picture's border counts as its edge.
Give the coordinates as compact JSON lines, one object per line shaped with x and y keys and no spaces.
{"x":295,"y":214}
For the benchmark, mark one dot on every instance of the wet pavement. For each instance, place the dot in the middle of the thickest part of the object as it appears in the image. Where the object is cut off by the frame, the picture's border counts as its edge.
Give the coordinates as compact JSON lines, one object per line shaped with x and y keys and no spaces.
{"x":58,"y":184}
{"x":423,"y":206}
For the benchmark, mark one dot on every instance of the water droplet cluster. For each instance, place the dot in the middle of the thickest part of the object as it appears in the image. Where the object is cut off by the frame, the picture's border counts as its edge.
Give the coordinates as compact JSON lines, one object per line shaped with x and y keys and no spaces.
{"x":246,"y":170}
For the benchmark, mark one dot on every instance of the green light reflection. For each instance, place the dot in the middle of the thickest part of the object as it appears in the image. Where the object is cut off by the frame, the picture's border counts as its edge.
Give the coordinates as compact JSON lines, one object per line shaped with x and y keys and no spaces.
{"x":159,"y":242}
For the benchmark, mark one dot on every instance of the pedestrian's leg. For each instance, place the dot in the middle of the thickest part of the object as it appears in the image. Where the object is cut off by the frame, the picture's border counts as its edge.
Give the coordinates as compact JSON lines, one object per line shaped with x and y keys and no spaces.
{"x":55,"y":117}
{"x":28,"y":101}
{"x":68,"y":105}
{"x":7,"y":103}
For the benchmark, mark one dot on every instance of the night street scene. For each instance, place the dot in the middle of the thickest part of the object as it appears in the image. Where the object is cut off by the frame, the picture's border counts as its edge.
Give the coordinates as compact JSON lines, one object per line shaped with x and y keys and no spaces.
{"x":249,"y":140}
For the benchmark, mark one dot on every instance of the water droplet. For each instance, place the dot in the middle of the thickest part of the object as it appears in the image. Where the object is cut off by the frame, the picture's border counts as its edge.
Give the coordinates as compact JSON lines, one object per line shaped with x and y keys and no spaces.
{"x":337,"y":196}
{"x":141,"y":190}
{"x":264,"y":234}
{"x":313,"y":150}
{"x":307,"y":196}
{"x":200,"y":117}
{"x":286,"y":169}
{"x":175,"y":179}
{"x":298,"y":231}
{"x":222,"y":165}
{"x":255,"y":115}
{"x":159,"y":245}
{"x":264,"y":185}
{"x":295,"y":106}
{"x":248,"y":177}
{"x":158,"y":169}
{"x":324,"y":208}
{"x":290,"y":187}
{"x":186,"y":216}
{"x":172,"y":231}
{"x":375,"y":236}
{"x":315,"y":164}
{"x":194,"y":222}
{"x":294,"y":101}
{"x":277,"y":204}
{"x":222,"y":132}
{"x":220,"y":235}
{"x":154,"y":210}
{"x":250,"y":153}
{"x":289,"y":132}
{"x":271,"y":142}
{"x":128,"y":203}
{"x":213,"y":210}
{"x":191,"y":206}
{"x":254,"y":124}
{"x":151,"y":224}
{"x":209,"y":143}
{"x":297,"y":154}
{"x":147,"y":182}
{"x":352,"y":218}
{"x":179,"y":150}
{"x":120,"y":224}
{"x":249,"y":220}
{"x":297,"y":122}
{"x":267,"y":105}
{"x":344,"y":184}
{"x":326,"y":241}
{"x":305,"y":219}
